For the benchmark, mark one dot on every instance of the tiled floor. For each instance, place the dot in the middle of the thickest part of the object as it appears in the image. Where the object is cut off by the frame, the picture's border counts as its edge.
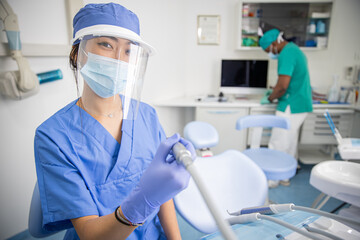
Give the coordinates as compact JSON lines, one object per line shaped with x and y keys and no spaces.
{"x":300,"y":192}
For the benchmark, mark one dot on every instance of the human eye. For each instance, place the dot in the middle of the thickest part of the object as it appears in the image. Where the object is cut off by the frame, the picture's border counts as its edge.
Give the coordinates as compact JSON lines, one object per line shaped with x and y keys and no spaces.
{"x":105,"y":44}
{"x":128,"y":51}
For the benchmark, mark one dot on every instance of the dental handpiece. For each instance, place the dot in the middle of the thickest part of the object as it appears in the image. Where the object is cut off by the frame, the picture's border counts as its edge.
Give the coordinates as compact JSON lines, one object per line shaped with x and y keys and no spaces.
{"x":183,"y":156}
{"x":267,"y":210}
{"x":288,"y":207}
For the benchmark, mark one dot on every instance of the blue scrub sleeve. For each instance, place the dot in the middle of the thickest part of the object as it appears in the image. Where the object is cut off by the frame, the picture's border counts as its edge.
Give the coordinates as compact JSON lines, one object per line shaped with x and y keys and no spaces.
{"x":63,"y":192}
{"x":161,"y":133}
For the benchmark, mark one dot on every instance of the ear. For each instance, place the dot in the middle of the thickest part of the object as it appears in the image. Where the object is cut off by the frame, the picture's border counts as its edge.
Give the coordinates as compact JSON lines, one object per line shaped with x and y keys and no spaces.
{"x":280,"y":38}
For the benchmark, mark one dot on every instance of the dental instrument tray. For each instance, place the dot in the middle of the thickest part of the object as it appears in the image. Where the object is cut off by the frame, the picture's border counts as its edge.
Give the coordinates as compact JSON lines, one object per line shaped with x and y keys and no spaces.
{"x":288,"y":221}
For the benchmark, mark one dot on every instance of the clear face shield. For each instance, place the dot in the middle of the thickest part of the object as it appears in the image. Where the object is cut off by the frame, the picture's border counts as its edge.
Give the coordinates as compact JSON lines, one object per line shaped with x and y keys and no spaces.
{"x":111,"y":72}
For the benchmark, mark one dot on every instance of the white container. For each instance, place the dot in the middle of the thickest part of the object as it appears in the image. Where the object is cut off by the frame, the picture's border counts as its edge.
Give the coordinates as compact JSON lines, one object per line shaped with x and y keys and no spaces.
{"x":334,"y":91}
{"x":312,"y":27}
{"x":351,"y":97}
{"x":321,"y":42}
{"x":245,"y":11}
{"x":343,"y":95}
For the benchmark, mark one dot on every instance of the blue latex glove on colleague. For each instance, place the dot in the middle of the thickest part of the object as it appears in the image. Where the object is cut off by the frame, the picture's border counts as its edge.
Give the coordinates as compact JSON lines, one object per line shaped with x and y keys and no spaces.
{"x":162,"y":180}
{"x":264,"y":99}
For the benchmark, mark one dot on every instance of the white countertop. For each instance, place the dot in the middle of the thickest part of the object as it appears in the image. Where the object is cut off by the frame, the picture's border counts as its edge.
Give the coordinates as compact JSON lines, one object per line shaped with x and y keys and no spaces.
{"x":193,"y":102}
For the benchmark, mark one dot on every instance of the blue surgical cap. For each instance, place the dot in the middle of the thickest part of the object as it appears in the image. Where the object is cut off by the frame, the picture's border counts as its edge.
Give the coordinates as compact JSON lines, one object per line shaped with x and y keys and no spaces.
{"x":269,"y":37}
{"x":105,"y":14}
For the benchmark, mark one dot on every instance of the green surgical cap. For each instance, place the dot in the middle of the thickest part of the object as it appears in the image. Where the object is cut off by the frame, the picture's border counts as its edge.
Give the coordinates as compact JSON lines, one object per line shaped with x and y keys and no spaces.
{"x":268,"y":38}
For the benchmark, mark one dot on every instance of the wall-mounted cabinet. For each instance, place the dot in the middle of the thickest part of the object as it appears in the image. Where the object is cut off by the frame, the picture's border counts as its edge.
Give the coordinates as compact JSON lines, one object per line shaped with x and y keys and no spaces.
{"x":305,"y":23}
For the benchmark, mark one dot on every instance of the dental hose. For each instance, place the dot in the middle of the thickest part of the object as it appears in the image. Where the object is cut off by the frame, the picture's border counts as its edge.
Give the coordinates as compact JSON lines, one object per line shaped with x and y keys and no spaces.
{"x":326,"y":214}
{"x":288,"y":207}
{"x":252,"y":214}
{"x":252,"y":217}
{"x":183,"y":156}
{"x":322,"y":232}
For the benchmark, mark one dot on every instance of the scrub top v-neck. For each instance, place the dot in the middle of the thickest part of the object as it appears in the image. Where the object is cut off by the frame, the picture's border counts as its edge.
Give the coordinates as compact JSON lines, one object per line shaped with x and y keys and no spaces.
{"x":82,"y":170}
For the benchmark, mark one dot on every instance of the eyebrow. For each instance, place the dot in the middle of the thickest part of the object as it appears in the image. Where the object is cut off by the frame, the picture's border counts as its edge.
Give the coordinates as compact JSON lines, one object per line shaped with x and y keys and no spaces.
{"x":117,"y":40}
{"x":113,"y":38}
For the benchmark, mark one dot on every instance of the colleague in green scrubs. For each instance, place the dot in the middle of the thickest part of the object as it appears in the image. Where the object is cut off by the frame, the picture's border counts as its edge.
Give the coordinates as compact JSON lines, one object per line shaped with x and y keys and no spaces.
{"x":292,"y":90}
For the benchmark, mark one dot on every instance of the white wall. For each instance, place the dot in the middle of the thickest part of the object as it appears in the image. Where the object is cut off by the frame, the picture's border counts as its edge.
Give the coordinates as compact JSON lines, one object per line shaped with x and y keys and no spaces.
{"x":180,"y":68}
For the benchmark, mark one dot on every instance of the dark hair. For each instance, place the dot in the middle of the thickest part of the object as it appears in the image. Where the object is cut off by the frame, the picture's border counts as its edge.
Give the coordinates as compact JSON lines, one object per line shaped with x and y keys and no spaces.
{"x":73,"y":57}
{"x":73,"y":63}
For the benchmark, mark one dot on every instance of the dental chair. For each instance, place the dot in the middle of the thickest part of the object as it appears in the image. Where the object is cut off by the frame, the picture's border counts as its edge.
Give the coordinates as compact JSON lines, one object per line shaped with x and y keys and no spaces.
{"x":36,"y":218}
{"x":233,"y":180}
{"x":276,"y":165}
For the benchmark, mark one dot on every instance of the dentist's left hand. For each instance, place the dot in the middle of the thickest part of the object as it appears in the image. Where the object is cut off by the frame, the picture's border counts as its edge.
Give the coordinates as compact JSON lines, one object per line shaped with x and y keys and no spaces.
{"x":162,"y":180}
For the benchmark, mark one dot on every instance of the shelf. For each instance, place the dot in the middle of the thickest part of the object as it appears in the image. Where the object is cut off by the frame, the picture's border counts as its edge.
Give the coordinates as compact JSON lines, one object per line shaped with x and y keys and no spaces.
{"x":320,"y":18}
{"x":250,"y":34}
{"x":317,"y":34}
{"x":260,"y":49}
{"x":257,"y":18}
{"x":39,"y":50}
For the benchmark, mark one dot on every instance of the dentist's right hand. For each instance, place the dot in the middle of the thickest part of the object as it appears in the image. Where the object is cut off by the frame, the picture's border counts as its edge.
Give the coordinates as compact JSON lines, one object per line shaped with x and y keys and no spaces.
{"x":161,"y":181}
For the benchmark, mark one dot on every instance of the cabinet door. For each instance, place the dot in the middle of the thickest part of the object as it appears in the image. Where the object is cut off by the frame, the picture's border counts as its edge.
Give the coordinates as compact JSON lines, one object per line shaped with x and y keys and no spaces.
{"x":224,"y":120}
{"x":355,"y":133}
{"x":316,"y":129}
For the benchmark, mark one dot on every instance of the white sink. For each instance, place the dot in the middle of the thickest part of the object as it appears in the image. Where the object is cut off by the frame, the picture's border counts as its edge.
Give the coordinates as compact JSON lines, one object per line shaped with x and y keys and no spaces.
{"x":338,"y":179}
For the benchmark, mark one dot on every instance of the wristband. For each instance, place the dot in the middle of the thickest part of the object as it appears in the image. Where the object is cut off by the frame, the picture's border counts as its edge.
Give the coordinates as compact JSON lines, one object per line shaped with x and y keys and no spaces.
{"x":123,"y":220}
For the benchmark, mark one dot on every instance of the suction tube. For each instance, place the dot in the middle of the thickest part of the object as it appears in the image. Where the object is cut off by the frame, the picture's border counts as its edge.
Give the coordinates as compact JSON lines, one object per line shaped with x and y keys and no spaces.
{"x":183,"y":156}
{"x":252,"y":217}
{"x":252,"y":214}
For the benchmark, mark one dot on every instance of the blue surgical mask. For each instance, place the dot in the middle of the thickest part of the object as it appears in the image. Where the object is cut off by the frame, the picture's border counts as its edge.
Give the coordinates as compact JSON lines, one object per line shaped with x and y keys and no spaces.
{"x":105,"y":76}
{"x":273,"y":55}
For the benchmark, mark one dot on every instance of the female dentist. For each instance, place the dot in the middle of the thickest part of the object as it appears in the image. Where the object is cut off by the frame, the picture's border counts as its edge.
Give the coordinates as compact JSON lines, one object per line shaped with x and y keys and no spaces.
{"x":104,"y":166}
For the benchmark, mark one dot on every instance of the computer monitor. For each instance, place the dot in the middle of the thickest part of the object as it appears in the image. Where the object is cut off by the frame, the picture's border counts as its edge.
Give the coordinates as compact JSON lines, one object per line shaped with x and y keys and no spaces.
{"x":243,"y":77}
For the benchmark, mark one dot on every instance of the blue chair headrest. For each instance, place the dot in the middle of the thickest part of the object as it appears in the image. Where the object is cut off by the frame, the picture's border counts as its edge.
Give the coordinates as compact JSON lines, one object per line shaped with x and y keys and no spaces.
{"x":201,"y":134}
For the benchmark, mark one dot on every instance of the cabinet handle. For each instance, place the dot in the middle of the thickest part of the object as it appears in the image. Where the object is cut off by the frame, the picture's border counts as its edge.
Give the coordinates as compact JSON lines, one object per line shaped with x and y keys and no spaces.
{"x":333,"y":117}
{"x":322,"y":128}
{"x":323,"y":134}
{"x":223,"y":112}
{"x":325,"y":122}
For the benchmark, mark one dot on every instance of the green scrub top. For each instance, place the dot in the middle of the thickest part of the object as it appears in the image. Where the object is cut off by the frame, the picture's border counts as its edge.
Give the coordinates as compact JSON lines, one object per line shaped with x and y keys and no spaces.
{"x":293,"y":63}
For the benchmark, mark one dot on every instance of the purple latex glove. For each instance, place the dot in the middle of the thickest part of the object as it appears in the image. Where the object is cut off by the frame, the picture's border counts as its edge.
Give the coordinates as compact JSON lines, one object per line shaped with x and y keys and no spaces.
{"x":162,"y":180}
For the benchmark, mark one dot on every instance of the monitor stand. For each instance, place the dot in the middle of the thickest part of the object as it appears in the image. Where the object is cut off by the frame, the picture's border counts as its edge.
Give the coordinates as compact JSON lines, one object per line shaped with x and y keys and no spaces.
{"x":241,"y":97}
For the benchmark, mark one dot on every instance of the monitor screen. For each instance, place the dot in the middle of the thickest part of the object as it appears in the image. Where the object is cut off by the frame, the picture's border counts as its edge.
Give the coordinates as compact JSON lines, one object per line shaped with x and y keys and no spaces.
{"x":244,"y":76}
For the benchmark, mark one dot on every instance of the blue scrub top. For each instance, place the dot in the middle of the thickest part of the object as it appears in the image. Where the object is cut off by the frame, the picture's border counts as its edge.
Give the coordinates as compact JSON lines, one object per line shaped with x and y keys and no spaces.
{"x":82,"y":170}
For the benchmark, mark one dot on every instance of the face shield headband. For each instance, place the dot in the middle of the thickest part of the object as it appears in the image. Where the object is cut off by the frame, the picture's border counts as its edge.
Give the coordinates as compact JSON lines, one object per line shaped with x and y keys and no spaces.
{"x":111,"y":71}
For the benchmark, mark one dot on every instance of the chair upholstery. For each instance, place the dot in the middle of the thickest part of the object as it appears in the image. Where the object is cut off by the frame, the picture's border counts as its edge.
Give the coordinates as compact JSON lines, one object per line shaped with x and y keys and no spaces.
{"x":201,"y":134}
{"x":276,"y":165}
{"x":233,"y":181}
